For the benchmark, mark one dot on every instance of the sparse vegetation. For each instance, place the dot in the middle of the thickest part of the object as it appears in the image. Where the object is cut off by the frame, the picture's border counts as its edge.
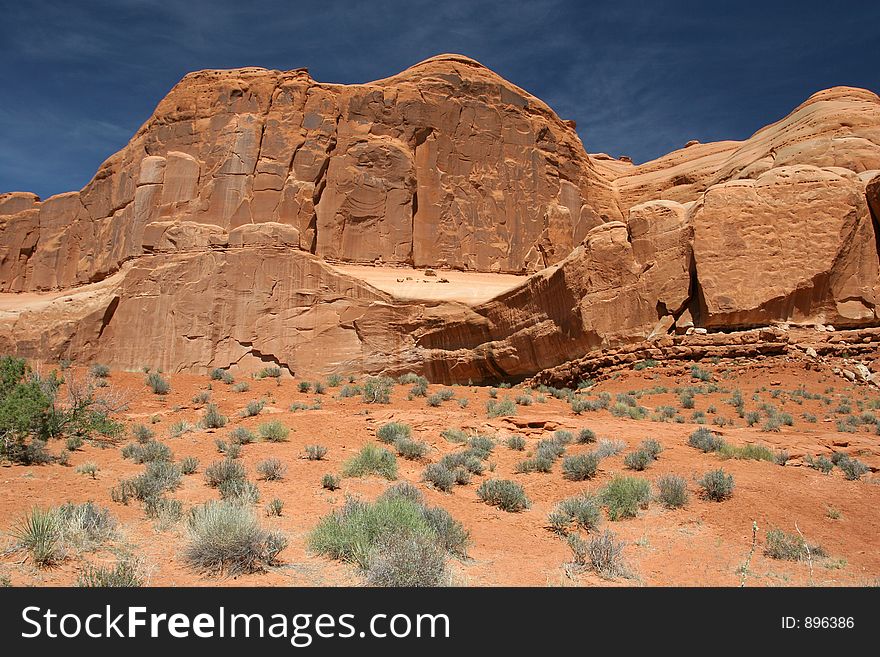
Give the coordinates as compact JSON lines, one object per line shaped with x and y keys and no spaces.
{"x":583,"y":511}
{"x":602,"y":553}
{"x":316,"y":452}
{"x":271,"y":469}
{"x":157,"y":384}
{"x":371,"y":460}
{"x":788,"y":547}
{"x":330,"y":481}
{"x":503,"y":408}
{"x":717,"y":485}
{"x":273,"y":431}
{"x":505,"y":494}
{"x":580,"y":467}
{"x":624,"y":495}
{"x":391,"y":432}
{"x":226,"y":537}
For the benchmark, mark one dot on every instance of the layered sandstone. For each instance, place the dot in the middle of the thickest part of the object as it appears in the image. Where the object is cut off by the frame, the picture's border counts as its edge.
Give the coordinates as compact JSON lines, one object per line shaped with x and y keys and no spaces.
{"x":210,"y":239}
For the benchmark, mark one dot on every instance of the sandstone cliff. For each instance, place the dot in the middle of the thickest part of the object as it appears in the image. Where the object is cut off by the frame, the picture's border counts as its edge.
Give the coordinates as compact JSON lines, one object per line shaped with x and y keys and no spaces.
{"x":209,"y":240}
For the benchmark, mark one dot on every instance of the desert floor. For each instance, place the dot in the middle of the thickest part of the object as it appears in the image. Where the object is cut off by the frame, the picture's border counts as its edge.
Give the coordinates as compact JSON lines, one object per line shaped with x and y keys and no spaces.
{"x":703,"y":544}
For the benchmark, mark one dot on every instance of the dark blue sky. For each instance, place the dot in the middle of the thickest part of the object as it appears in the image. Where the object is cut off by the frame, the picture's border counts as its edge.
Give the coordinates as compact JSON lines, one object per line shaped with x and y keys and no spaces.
{"x":640,"y":78}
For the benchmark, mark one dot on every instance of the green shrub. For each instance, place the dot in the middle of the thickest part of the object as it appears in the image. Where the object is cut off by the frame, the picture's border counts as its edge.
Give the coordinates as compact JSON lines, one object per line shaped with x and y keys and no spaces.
{"x":405,"y":490}
{"x":364,"y":534}
{"x":179,"y":428}
{"x":147,"y":452}
{"x":227,"y":378}
{"x":212,"y":418}
{"x":123,"y":575}
{"x":652,"y":447}
{"x":157,"y":384}
{"x":392,"y":432}
{"x":239,"y":491}
{"x":638,"y":460}
{"x":330,"y":481}
{"x":717,"y":486}
{"x":781,"y":457}
{"x":334,"y":380}
{"x":371,"y":459}
{"x":624,"y":495}
{"x":316,"y":452}
{"x":226,"y":537}
{"x":244,"y":386}
{"x":700,"y":374}
{"x":505,"y":408}
{"x":100,"y":371}
{"x":450,"y":533}
{"x":411,"y":449}
{"x":505,"y":494}
{"x":88,"y":468}
{"x":274,"y":508}
{"x":469,"y":459}
{"x":253,"y":408}
{"x":580,"y":467}
{"x":166,"y":510}
{"x":420,"y":388}
{"x":271,"y":469}
{"x":581,"y":510}
{"x":454,"y":435}
{"x":272,"y":372}
{"x":517,"y":443}
{"x":821,"y":464}
{"x":523,"y":399}
{"x":549,"y":449}
{"x":789,"y":547}
{"x":540,"y":463}
{"x":39,"y":534}
{"x":217,"y":374}
{"x":189,"y":465}
{"x":377,"y":390}
{"x":606,"y":448}
{"x":585,"y":436}
{"x":202,"y":397}
{"x":73,"y":443}
{"x":852,"y":469}
{"x":441,"y":477}
{"x":481,"y":446}
{"x":704,"y":440}
{"x":673,"y":493}
{"x":305,"y":386}
{"x":747,"y":452}
{"x":242,"y":435}
{"x":220,"y":472}
{"x":273,"y":431}
{"x":141,"y":433}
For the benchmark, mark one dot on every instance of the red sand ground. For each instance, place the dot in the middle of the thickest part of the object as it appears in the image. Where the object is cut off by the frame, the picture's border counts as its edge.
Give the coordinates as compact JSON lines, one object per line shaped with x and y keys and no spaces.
{"x":703,"y":544}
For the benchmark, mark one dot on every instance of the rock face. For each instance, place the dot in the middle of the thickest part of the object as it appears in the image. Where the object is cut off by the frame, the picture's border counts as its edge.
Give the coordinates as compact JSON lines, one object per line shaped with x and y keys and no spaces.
{"x":209,"y":240}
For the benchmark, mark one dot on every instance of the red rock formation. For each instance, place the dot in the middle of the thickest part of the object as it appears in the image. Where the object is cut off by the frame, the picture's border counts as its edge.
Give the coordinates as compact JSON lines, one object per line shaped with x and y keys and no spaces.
{"x":205,"y":241}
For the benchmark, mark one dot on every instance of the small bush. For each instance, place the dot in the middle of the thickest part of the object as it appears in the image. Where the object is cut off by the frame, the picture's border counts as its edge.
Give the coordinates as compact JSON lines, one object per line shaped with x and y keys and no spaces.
{"x":540,"y":463}
{"x":123,"y":575}
{"x":673,"y":493}
{"x":505,"y":494}
{"x":100,"y":371}
{"x":451,"y":535}
{"x":781,"y":457}
{"x":157,"y":384}
{"x":700,"y":374}
{"x":704,"y":440}
{"x":371,"y":459}
{"x":227,"y":378}
{"x":305,"y":386}
{"x":517,"y":443}
{"x":90,"y":469}
{"x":411,"y":449}
{"x":273,"y":431}
{"x":39,"y":534}
{"x":330,"y":481}
{"x":580,"y":467}
{"x":239,"y":492}
{"x":227,"y":538}
{"x":585,"y":436}
{"x":638,"y":460}
{"x":481,"y":445}
{"x":202,"y":397}
{"x":652,"y":447}
{"x":147,"y":452}
{"x":821,"y":464}
{"x":179,"y":428}
{"x":505,"y":408}
{"x":454,"y":435}
{"x":406,"y":560}
{"x":272,"y":372}
{"x":623,"y":496}
{"x":243,"y":386}
{"x":217,"y":374}
{"x":253,"y":408}
{"x":349,"y":391}
{"x":603,"y":554}
{"x":606,"y":448}
{"x":392,"y":432}
{"x":852,"y":469}
{"x":581,"y":510}
{"x":73,"y":443}
{"x":213,"y":419}
{"x":142,"y":433}
{"x":747,"y":452}
{"x":316,"y":452}
{"x":717,"y":486}
{"x":377,"y":390}
{"x":788,"y":547}
{"x":271,"y":469}
{"x":441,"y":477}
{"x":189,"y":465}
{"x":242,"y":435}
{"x":274,"y":508}
{"x":220,"y":472}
